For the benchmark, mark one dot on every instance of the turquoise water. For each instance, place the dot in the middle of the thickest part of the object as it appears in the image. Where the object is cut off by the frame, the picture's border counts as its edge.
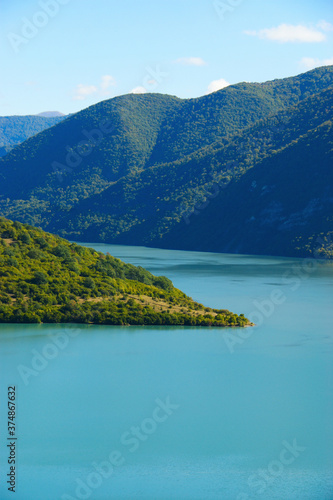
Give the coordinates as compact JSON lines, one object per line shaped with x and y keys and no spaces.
{"x":182,"y":413}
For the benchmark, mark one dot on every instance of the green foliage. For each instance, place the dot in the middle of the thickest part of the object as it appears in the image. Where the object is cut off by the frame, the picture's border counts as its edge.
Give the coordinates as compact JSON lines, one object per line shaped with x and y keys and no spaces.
{"x":16,"y":129}
{"x":39,"y":278}
{"x":151,"y":207}
{"x":25,"y":238}
{"x":89,"y":283}
{"x":280,"y":206}
{"x":65,"y":282}
{"x":168,"y":159}
{"x":62,"y":251}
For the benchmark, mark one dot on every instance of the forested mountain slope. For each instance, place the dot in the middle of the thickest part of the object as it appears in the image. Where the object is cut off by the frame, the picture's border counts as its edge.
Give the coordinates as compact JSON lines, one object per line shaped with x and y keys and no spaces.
{"x":45,"y":278}
{"x":155,"y":206}
{"x":281,"y":206}
{"x":133,"y":168}
{"x":16,"y":129}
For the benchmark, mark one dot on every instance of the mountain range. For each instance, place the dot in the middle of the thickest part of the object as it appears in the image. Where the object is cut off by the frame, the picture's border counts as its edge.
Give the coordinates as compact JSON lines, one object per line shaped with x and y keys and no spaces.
{"x":50,"y":114}
{"x":17,"y":129}
{"x":247,"y":169}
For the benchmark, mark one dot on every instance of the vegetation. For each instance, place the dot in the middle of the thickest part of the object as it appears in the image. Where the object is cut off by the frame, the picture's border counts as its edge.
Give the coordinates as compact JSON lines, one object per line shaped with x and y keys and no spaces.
{"x":16,"y":129}
{"x":5,"y":149}
{"x":45,"y":278}
{"x":281,"y":206}
{"x":153,"y":206}
{"x":169,"y":161}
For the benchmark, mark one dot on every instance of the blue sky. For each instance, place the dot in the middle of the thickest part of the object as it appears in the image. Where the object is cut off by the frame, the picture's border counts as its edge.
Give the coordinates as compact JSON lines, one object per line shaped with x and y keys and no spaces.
{"x":68,"y":54}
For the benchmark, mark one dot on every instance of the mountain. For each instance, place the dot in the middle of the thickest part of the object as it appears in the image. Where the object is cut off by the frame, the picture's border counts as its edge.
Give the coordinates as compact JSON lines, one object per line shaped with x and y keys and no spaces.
{"x":50,"y":114}
{"x":47,"y":279}
{"x":158,"y":206}
{"x":163,"y":158}
{"x":16,"y":129}
{"x":5,"y":149}
{"x":87,"y":152}
{"x":281,"y":206}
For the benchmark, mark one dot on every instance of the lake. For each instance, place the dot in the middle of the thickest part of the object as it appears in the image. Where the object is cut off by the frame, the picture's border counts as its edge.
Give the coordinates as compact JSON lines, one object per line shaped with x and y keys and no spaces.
{"x":177,"y":413}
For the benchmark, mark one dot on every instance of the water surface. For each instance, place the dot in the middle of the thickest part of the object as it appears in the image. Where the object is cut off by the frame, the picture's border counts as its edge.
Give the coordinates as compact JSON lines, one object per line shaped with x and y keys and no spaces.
{"x":240,"y":397}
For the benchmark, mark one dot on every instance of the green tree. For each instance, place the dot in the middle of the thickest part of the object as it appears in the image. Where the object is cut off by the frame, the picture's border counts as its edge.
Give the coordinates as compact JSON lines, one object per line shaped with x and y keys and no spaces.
{"x":40,"y":278}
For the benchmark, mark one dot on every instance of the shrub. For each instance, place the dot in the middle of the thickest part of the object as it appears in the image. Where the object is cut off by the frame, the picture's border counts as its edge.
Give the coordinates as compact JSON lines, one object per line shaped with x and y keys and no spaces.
{"x":35,"y":254}
{"x":62,"y":251}
{"x":25,"y":238}
{"x":89,"y":283}
{"x":40,"y":278}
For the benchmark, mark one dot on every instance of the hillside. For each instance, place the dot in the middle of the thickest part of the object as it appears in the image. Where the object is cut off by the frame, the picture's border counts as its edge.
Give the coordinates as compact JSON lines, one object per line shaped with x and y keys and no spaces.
{"x":143,"y":130}
{"x":161,"y":205}
{"x":161,"y":160}
{"x":116,"y":138}
{"x":5,"y":149}
{"x":281,"y":206}
{"x":204,"y":120}
{"x":16,"y":129}
{"x":45,"y":278}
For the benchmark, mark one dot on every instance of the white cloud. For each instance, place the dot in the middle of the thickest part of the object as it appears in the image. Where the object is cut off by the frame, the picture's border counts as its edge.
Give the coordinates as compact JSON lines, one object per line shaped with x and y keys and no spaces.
{"x":217,"y":85}
{"x":83,"y":91}
{"x":138,"y":90}
{"x":289,"y":33}
{"x":310,"y":62}
{"x":191,"y":61}
{"x":325,"y":26}
{"x":107,"y":82}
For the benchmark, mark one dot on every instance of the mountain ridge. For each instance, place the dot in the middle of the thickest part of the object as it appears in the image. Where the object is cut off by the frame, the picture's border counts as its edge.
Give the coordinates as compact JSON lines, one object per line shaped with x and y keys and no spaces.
{"x":50,"y":114}
{"x":16,"y":129}
{"x":123,"y":188}
{"x":275,"y":132}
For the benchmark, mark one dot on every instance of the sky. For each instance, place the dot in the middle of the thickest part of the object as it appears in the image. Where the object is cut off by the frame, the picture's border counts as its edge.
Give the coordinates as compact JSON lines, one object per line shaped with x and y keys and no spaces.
{"x":66,"y":55}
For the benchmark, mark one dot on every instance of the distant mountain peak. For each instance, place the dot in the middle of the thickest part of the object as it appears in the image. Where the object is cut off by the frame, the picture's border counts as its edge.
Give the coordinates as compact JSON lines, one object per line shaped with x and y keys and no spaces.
{"x":50,"y":114}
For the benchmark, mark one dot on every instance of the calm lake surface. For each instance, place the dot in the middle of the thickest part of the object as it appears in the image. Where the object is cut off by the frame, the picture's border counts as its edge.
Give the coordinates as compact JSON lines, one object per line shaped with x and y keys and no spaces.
{"x":182,"y":412}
